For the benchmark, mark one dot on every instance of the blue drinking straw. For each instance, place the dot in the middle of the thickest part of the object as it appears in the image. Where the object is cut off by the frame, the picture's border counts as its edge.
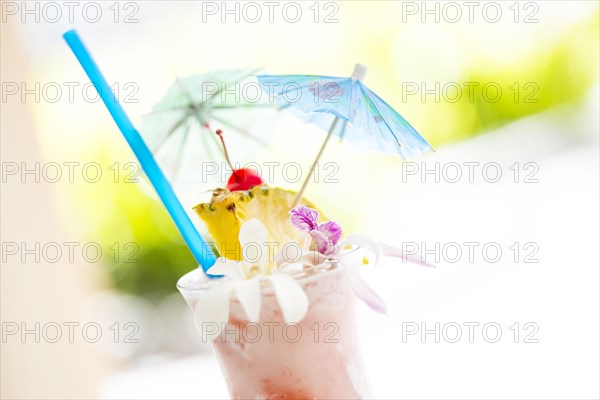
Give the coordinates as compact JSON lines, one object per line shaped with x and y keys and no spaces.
{"x":201,"y":251}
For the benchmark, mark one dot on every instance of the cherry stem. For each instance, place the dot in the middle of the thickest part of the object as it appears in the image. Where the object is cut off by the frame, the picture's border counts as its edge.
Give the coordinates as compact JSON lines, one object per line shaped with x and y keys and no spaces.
{"x":220,"y":134}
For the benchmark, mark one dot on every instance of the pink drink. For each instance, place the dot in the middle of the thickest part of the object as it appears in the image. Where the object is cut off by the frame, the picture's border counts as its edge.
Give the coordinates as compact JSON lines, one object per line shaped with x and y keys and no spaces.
{"x":317,"y":359}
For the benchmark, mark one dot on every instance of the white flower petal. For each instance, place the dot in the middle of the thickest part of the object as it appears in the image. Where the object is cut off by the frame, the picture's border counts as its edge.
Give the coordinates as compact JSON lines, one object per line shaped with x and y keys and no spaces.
{"x":304,"y":240}
{"x":253,"y":238}
{"x":353,"y":257}
{"x":291,"y":298}
{"x":364,"y":292}
{"x":391,"y":251}
{"x":212,"y":310}
{"x":248,"y":293}
{"x":230,"y":268}
{"x":365,"y":243}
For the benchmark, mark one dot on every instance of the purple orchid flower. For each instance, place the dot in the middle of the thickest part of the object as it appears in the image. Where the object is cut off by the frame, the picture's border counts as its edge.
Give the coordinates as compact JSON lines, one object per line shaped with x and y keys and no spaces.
{"x":325,"y":236}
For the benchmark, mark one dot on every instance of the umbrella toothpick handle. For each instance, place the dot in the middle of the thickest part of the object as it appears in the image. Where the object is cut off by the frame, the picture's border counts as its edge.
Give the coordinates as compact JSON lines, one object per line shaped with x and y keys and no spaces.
{"x":314,"y":165}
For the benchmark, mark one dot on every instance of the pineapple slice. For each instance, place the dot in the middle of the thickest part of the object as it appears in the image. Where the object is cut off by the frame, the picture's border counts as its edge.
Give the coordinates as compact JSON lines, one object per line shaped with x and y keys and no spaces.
{"x":227,"y":211}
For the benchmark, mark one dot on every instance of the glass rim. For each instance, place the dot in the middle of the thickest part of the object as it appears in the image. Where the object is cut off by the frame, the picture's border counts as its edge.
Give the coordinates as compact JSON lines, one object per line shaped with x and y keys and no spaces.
{"x":197,"y":281}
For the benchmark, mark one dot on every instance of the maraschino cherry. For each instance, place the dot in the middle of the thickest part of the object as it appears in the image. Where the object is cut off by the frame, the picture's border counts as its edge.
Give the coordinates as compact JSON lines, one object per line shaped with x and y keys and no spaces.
{"x":240,"y":179}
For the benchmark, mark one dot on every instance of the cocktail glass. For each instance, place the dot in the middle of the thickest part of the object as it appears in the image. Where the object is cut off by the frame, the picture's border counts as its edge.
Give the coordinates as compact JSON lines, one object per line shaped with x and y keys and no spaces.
{"x":318,"y":358}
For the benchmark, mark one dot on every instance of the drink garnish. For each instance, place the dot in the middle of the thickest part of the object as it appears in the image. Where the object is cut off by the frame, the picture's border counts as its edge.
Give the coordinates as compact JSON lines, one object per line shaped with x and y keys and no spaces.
{"x":241,"y":178}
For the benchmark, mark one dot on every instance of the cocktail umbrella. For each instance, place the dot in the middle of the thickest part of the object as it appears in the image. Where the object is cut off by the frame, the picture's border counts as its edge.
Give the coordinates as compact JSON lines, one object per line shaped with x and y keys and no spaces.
{"x":180,"y":130}
{"x":366,"y":119}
